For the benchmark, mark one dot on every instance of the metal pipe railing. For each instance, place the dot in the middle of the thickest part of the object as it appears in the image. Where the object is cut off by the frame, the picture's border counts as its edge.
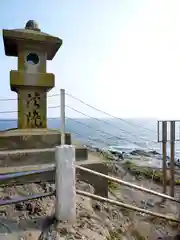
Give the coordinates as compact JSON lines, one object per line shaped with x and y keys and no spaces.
{"x":128,"y":206}
{"x":129,"y":184}
{"x":16,"y":175}
{"x":24,"y":199}
{"x":95,"y":197}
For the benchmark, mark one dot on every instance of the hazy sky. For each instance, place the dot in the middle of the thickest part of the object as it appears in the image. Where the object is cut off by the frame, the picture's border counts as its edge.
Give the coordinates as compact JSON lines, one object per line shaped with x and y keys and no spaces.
{"x":122,"y":56}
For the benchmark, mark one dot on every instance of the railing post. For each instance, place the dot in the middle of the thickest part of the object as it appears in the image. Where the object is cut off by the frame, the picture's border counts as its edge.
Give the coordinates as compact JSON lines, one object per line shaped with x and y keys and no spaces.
{"x":164,"y":142}
{"x":62,"y":106}
{"x":65,"y":206}
{"x":172,"y":150}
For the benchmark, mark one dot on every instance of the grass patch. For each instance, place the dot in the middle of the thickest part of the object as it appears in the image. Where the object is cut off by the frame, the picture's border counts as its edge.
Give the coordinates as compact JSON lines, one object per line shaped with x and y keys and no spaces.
{"x":114,"y":235}
{"x":112,"y":185}
{"x":146,"y":172}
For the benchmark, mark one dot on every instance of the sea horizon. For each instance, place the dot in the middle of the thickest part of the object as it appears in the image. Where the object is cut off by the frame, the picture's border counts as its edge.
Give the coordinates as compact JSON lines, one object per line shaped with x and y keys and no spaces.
{"x":134,"y":133}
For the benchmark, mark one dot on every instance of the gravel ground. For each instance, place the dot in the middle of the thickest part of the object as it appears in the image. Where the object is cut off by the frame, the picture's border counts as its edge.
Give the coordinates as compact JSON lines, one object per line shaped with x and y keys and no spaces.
{"x":34,"y":220}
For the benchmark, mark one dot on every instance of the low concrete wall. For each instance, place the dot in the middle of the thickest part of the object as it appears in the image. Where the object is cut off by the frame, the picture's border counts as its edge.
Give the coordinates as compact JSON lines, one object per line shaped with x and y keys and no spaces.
{"x":100,"y":184}
{"x":21,"y":139}
{"x":18,"y":159}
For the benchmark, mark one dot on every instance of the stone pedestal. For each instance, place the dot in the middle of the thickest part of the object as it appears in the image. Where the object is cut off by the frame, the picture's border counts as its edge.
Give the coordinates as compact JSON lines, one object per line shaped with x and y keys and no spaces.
{"x":15,"y":142}
{"x":15,"y":139}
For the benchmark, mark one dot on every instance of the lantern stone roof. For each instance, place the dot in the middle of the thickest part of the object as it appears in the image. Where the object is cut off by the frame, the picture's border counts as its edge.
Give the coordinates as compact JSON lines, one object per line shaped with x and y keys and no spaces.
{"x":30,"y":34}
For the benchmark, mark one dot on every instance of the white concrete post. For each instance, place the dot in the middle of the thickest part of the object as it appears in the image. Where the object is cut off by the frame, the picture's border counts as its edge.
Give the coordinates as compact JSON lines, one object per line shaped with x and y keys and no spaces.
{"x":65,"y":207}
{"x":62,"y":106}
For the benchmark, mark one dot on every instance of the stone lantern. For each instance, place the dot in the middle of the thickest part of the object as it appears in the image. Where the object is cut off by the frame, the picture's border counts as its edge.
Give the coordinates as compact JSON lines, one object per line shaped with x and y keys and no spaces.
{"x":31,"y":81}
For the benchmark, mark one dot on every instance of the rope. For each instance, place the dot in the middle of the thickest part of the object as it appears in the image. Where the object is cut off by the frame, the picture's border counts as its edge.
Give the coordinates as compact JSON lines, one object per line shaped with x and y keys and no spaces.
{"x":101,"y":131}
{"x":108,"y":134}
{"x":110,"y":124}
{"x":97,"y":130}
{"x":134,"y":125}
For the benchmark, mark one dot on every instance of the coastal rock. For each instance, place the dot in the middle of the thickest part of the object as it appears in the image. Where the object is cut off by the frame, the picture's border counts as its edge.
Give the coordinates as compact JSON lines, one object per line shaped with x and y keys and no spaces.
{"x":139,"y":152}
{"x":153,"y":152}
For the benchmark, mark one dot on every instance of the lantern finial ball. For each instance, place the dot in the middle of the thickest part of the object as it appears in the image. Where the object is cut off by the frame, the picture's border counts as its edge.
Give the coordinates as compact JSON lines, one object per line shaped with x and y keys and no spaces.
{"x":32,"y":25}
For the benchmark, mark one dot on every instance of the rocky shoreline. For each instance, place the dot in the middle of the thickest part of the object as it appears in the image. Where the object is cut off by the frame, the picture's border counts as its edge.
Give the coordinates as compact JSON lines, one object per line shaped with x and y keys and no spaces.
{"x":135,"y":152}
{"x":141,"y":157}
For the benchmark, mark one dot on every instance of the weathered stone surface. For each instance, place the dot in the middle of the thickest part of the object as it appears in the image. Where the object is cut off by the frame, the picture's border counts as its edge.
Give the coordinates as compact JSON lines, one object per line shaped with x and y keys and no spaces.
{"x":31,"y":138}
{"x":34,"y":158}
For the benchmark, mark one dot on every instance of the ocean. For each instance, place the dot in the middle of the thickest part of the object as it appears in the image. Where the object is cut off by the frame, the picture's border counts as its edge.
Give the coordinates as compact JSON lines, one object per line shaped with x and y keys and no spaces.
{"x":127,"y":134}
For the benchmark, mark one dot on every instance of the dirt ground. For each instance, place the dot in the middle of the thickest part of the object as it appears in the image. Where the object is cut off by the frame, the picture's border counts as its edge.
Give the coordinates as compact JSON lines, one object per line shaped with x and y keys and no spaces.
{"x":95,"y":220}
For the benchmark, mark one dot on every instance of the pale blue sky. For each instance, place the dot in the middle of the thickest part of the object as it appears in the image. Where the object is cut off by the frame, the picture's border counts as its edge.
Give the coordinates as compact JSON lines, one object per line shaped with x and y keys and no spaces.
{"x":122,"y":56}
